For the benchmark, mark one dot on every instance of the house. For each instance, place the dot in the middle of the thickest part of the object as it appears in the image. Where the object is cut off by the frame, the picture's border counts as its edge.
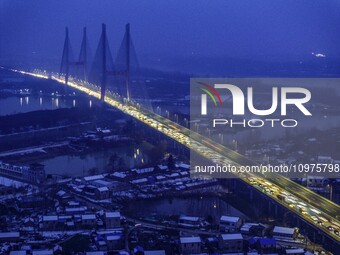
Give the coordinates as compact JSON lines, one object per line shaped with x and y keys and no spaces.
{"x":95,"y":253}
{"x":112,"y":219}
{"x":42,"y":252}
{"x":75,"y":210}
{"x":266,"y":245}
{"x":316,"y":182}
{"x":298,"y":251}
{"x":28,"y":224}
{"x":230,"y":224}
{"x":102,"y":193}
{"x":155,"y":252}
{"x":9,"y":237}
{"x":187,"y":221}
{"x":101,"y":243}
{"x":190,"y":245}
{"x":231,"y":242}
{"x":284,"y":233}
{"x":17,"y":253}
{"x":49,"y":222}
{"x":65,"y":221}
{"x":114,"y":241}
{"x":88,"y":220}
{"x":252,"y":229}
{"x":325,"y":160}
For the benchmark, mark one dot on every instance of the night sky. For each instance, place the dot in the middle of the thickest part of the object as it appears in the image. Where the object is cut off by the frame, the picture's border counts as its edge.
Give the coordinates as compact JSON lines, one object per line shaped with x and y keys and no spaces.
{"x":270,"y":30}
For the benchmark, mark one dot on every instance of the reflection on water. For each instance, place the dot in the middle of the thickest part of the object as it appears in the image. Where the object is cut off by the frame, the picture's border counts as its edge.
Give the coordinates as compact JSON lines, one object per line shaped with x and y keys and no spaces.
{"x":192,"y":206}
{"x":13,"y":105}
{"x":71,"y":165}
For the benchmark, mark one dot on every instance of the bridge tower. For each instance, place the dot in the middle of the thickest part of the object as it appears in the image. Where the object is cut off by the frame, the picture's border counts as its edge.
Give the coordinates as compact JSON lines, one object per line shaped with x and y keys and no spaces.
{"x":104,"y":67}
{"x":127,"y":72}
{"x":105,"y":56}
{"x":83,"y":56}
{"x":65,"y":60}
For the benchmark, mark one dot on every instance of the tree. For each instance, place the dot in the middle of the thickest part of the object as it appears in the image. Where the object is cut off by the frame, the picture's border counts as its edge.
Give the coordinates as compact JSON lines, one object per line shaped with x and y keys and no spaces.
{"x":171,"y":162}
{"x":93,"y":171}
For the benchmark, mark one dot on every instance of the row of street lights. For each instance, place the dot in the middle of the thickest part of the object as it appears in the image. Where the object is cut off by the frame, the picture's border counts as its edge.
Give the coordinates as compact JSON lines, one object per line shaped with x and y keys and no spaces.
{"x":196,"y":126}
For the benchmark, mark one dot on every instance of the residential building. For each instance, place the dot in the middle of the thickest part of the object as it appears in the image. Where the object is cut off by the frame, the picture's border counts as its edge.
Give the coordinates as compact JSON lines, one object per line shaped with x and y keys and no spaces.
{"x":190,"y":245}
{"x":284,"y":233}
{"x":230,"y":224}
{"x":231,"y":242}
{"x":112,"y":219}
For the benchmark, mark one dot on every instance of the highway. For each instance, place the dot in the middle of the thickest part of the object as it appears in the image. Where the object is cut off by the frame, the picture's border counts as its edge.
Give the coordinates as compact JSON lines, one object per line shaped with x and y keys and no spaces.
{"x":313,"y":208}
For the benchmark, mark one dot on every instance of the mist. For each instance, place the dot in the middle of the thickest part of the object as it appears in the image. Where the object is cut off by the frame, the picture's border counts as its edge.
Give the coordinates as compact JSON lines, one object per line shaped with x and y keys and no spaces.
{"x":166,"y":33}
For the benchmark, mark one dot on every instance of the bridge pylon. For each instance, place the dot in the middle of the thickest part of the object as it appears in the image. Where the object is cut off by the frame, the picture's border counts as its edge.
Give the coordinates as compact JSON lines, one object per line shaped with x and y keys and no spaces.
{"x":127,"y":73}
{"x":65,"y":60}
{"x":83,"y":56}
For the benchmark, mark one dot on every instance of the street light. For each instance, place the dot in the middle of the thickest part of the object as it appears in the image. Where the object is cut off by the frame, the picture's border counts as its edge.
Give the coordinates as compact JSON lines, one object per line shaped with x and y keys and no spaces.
{"x":235,"y":144}
{"x":159,"y":110}
{"x":168,"y":114}
{"x":176,"y":116}
{"x":330,"y":187}
{"x":197,"y":126}
{"x":186,"y":122}
{"x":221,"y":136}
{"x":208,"y":130}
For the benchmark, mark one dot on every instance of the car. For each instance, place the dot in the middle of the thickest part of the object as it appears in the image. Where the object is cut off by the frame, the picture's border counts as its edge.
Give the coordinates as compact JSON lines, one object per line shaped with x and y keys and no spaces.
{"x":330,"y":228}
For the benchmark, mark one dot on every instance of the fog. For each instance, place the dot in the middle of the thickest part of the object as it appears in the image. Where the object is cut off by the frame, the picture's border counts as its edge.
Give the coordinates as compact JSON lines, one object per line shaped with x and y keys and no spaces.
{"x":280,"y":30}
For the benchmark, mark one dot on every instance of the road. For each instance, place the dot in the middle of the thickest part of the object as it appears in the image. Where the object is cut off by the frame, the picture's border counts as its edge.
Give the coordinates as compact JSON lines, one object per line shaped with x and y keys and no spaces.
{"x":298,"y":199}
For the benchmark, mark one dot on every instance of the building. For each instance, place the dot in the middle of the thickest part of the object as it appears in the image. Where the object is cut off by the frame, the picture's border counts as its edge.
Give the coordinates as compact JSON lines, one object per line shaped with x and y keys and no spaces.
{"x":325,"y":160}
{"x":231,"y":242}
{"x":190,"y":245}
{"x":230,"y":224}
{"x":155,"y":252}
{"x":9,"y":237}
{"x":34,"y":173}
{"x":114,"y":241}
{"x":252,"y":229}
{"x":102,"y":193}
{"x":266,"y":245}
{"x":95,"y":253}
{"x":187,"y":221}
{"x":42,"y":252}
{"x":88,"y":220}
{"x":112,"y":219}
{"x":18,"y":253}
{"x":49,"y":222}
{"x":284,"y":233}
{"x":298,"y":251}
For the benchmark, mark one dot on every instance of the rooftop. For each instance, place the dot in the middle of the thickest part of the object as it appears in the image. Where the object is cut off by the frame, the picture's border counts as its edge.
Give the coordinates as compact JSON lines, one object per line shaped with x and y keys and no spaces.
{"x":229,"y":219}
{"x":237,"y":236}
{"x":112,"y":215}
{"x":283,"y":230}
{"x":50,"y":218}
{"x":188,"y":218}
{"x":9,"y":234}
{"x":88,"y":217}
{"x":193,"y":239}
{"x":295,"y":251}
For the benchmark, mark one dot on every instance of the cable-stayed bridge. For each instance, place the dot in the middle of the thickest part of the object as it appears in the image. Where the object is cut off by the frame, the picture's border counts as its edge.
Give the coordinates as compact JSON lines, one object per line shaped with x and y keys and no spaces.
{"x":109,"y":81}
